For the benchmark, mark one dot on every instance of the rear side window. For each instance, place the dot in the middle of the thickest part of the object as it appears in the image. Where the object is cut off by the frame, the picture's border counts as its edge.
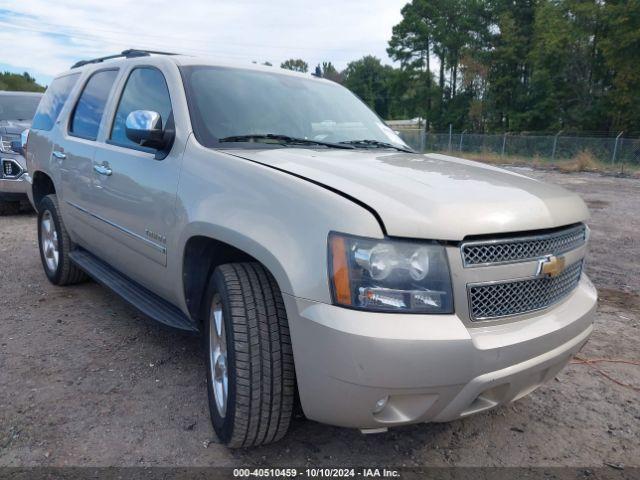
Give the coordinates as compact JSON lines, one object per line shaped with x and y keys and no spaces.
{"x":146,"y":89}
{"x":53,"y":101}
{"x":86,"y":118}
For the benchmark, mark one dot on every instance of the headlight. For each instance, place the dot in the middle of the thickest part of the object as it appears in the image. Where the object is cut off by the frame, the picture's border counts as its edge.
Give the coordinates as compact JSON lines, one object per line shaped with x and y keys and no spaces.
{"x":389,"y":275}
{"x":6,"y":141}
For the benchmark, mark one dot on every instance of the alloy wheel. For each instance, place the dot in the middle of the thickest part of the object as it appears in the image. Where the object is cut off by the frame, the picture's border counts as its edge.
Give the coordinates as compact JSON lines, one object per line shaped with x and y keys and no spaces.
{"x":49,"y":241}
{"x":218,"y":356}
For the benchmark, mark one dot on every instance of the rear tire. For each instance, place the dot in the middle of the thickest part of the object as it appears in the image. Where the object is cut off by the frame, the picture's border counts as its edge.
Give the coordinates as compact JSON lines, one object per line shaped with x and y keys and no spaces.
{"x":9,"y":208}
{"x":55,"y":245}
{"x":250,"y":371}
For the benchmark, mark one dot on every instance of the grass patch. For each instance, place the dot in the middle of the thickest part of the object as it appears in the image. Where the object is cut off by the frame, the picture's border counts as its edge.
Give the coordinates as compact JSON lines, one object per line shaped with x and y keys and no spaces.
{"x":583,"y":161}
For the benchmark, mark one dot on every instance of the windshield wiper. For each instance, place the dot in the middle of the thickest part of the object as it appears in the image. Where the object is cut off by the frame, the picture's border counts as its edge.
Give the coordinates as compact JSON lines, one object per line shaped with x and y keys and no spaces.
{"x":376,"y":144}
{"x":283,"y":139}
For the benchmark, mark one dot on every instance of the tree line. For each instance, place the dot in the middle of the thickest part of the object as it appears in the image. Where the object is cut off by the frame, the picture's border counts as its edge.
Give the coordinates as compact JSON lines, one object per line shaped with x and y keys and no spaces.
{"x":506,"y":66}
{"x":497,"y":66}
{"x":19,"y":82}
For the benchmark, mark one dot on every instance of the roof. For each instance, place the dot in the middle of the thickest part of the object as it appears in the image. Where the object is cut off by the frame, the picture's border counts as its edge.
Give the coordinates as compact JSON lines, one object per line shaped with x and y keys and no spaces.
{"x":132,"y":55}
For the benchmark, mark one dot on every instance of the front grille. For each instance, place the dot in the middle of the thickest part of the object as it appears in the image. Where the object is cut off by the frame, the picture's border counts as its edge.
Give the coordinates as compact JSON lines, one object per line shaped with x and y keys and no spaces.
{"x":518,"y":249}
{"x":493,"y":300}
{"x":10,"y":169}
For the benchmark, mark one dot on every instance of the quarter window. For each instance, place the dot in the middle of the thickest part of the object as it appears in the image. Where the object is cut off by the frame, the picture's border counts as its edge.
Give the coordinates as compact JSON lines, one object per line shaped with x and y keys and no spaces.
{"x":146,"y":89}
{"x":52,"y":102}
{"x":87,"y":115}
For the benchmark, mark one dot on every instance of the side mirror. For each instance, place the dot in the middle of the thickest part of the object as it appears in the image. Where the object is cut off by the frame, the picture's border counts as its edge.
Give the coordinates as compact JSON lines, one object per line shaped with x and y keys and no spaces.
{"x":144,"y":127}
{"x":19,"y":146}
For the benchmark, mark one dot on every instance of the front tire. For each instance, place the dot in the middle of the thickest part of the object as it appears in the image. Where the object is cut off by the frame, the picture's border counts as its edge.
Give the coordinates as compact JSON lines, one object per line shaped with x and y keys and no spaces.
{"x":55,"y":245}
{"x":250,"y":372}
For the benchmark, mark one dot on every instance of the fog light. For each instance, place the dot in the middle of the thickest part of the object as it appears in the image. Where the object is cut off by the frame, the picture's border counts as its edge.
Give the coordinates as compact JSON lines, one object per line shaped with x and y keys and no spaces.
{"x":10,"y":168}
{"x":380,"y":404}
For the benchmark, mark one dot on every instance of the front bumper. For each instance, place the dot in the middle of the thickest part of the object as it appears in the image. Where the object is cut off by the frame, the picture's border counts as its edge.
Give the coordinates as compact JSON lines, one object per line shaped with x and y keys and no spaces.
{"x":430,"y":367}
{"x":14,"y":187}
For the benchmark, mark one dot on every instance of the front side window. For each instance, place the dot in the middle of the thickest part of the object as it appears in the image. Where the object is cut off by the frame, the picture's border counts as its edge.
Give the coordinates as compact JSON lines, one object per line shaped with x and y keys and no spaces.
{"x":87,"y":115}
{"x":52,"y":102}
{"x":234,"y":102}
{"x":146,"y":89}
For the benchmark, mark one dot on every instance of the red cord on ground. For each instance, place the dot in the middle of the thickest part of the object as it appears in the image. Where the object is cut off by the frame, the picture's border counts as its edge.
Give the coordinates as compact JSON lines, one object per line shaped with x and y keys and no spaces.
{"x":590,"y":361}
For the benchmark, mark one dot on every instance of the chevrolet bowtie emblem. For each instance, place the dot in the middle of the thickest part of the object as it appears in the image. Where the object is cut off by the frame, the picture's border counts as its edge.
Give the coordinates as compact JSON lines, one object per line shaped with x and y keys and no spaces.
{"x":551,"y":266}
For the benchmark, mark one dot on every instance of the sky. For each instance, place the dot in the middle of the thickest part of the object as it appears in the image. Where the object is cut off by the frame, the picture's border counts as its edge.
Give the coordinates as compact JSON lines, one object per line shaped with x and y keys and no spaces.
{"x":45,"y":37}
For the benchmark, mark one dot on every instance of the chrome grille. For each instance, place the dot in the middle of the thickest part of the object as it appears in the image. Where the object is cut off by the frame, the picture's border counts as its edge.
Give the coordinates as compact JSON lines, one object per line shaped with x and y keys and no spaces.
{"x":502,"y":299}
{"x":518,"y":249}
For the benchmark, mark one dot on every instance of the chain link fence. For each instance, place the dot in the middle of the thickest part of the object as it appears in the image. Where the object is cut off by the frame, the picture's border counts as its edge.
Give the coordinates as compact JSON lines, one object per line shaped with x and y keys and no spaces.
{"x":609,"y":152}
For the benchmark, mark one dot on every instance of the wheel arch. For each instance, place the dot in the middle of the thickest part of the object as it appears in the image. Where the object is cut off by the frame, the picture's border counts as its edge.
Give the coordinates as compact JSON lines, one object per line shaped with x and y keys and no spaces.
{"x":203,"y":251}
{"x":42,"y":185}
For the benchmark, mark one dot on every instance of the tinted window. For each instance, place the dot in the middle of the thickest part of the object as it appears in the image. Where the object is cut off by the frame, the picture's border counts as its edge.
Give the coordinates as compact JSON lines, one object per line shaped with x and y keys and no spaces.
{"x":225,"y":102}
{"x":18,"y":107}
{"x":146,"y":89}
{"x":53,"y":101}
{"x":90,"y":107}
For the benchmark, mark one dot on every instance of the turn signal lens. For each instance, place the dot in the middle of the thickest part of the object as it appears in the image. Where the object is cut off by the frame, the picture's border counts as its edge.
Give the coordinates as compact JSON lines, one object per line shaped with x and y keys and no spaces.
{"x":340,"y":269}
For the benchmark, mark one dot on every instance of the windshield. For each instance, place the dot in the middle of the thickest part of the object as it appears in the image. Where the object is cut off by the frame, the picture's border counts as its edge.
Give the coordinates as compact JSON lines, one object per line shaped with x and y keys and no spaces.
{"x":232,"y":102}
{"x":18,"y":107}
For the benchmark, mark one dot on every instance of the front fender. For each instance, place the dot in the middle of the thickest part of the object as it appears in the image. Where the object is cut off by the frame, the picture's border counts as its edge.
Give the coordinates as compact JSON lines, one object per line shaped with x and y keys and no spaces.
{"x":279,"y":219}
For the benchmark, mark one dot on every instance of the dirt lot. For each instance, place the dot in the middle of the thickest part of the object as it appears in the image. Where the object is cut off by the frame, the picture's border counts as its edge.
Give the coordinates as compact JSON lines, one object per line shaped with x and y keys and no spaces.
{"x":86,"y":380}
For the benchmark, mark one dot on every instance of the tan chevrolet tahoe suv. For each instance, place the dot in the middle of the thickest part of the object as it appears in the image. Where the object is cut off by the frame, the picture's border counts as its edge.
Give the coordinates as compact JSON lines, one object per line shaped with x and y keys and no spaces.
{"x":315,"y":252}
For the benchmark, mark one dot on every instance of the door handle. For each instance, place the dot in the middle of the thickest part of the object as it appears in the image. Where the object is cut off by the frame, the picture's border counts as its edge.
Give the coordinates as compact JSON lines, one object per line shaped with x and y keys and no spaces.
{"x":59,"y":155}
{"x":103,"y":170}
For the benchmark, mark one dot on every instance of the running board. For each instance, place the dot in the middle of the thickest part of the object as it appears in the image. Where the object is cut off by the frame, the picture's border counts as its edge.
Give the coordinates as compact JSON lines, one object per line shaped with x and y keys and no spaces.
{"x":144,"y":300}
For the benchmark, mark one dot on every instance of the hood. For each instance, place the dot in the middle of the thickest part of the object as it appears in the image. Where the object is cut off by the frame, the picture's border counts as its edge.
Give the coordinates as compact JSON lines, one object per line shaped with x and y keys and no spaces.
{"x":14,"y":127}
{"x":431,"y":196}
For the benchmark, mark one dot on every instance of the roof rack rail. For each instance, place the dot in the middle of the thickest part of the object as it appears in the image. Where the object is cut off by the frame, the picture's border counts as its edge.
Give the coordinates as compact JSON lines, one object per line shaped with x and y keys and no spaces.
{"x":129,"y":53}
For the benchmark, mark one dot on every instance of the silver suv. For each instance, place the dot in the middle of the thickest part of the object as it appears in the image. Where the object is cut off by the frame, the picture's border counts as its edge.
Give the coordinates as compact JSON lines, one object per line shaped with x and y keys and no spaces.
{"x":16,"y":112}
{"x":276,"y":215}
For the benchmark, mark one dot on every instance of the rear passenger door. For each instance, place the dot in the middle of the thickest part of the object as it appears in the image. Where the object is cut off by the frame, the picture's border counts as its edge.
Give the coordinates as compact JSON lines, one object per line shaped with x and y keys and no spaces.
{"x":45,"y":128}
{"x":73,"y":153}
{"x":135,"y":194}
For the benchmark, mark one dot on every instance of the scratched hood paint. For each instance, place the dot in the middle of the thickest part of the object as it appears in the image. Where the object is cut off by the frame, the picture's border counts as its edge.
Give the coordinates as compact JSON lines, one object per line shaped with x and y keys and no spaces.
{"x":432,"y":196}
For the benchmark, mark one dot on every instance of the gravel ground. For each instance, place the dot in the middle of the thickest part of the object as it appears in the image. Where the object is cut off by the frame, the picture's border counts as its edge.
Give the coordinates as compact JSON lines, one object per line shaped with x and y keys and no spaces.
{"x":87,"y":380}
